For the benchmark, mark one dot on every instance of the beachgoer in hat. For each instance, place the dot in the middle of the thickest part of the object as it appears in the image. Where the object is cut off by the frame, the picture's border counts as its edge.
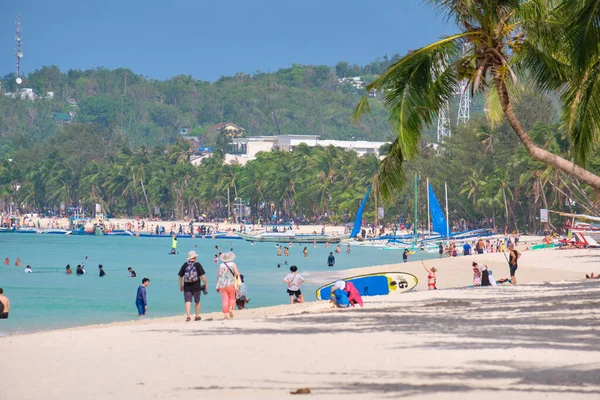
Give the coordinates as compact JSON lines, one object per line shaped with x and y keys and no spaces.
{"x":191,"y":274}
{"x":226,"y":278}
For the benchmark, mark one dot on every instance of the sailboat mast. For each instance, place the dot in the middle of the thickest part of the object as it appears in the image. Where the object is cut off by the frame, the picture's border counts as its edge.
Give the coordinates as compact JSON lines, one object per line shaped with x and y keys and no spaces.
{"x":447,"y":220}
{"x":416,"y":221}
{"x":428,"y":212}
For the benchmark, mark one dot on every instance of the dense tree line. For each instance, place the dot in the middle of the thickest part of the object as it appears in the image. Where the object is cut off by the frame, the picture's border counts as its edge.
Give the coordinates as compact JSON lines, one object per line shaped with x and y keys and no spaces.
{"x":492,"y":180}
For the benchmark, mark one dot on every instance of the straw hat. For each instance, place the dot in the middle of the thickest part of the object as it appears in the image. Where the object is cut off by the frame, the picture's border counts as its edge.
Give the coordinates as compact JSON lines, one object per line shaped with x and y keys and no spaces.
{"x":228,"y":256}
{"x":192,"y":254}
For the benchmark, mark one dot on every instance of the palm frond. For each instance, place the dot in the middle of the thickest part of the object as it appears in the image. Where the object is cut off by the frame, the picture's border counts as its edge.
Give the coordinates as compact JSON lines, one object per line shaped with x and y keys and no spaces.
{"x":582,"y":113}
{"x":414,"y":88}
{"x":391,"y":174}
{"x":583,"y":31}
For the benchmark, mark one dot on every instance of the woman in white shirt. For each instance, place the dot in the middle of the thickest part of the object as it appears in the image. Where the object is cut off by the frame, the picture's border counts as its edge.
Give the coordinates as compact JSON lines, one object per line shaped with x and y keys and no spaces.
{"x":294,"y":281}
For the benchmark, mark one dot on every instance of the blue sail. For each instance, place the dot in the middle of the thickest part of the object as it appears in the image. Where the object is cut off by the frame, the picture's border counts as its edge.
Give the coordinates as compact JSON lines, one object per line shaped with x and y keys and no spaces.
{"x":437,"y":215}
{"x":358,"y":220}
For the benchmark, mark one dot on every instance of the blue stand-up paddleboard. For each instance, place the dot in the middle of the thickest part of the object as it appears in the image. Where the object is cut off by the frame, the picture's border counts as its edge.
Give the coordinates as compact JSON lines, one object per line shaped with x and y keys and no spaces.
{"x":375,"y":284}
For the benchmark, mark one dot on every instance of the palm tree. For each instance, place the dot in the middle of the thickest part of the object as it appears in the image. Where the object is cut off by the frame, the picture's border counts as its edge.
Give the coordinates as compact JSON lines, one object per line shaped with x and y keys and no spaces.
{"x":499,"y":37}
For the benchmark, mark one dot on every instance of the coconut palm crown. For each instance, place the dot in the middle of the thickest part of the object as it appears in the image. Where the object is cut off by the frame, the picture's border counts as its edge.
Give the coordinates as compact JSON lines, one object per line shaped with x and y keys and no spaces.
{"x":552,"y":45}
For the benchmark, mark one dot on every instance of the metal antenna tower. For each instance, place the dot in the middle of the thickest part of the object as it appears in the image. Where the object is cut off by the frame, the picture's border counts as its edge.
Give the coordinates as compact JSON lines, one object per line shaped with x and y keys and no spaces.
{"x":19,"y":52}
{"x":443,"y":128}
{"x":464,"y":108}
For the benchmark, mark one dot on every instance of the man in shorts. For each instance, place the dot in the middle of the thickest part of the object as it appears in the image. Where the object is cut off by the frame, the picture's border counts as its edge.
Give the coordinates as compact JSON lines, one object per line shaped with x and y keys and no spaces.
{"x":190,"y":275}
{"x":4,"y":305}
{"x":294,"y":281}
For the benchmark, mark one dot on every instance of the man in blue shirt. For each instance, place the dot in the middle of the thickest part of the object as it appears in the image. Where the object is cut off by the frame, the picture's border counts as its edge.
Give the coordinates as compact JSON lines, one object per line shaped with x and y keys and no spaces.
{"x":140,"y":300}
{"x":340,"y":299}
{"x":466,"y":249}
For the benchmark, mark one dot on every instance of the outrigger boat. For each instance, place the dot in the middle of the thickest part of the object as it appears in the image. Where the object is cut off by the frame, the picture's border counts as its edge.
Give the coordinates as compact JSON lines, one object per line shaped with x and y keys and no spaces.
{"x":291,"y":237}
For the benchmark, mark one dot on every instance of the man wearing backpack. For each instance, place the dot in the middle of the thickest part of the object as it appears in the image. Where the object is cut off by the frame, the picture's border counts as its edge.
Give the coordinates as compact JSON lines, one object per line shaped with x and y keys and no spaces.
{"x":190,"y":274}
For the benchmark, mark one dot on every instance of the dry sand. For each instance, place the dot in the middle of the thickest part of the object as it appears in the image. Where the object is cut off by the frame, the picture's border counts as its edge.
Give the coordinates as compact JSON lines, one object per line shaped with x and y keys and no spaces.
{"x":536,"y":340}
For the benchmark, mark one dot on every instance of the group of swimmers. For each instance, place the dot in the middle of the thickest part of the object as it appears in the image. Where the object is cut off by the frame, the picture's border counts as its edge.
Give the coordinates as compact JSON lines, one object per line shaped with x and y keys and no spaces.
{"x":17,"y":263}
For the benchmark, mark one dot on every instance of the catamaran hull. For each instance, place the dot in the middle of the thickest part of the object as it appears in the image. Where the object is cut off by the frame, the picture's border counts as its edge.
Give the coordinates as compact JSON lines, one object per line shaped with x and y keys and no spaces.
{"x":291,"y":238}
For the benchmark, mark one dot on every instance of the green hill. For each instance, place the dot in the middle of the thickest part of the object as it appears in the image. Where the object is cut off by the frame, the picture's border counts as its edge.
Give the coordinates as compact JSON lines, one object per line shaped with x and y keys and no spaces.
{"x":306,"y":99}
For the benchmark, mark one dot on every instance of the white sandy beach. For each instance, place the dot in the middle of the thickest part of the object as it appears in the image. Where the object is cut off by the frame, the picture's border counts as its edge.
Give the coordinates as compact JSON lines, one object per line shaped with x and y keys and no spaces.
{"x":534,"y":340}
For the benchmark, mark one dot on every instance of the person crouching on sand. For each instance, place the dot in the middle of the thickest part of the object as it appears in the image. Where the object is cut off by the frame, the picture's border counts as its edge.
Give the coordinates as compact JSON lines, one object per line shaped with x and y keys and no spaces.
{"x":351,"y":291}
{"x":431,"y":280}
{"x":339,"y":298}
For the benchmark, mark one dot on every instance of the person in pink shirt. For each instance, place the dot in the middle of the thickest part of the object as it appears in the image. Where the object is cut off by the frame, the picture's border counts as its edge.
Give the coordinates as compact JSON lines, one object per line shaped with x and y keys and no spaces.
{"x":348,"y":287}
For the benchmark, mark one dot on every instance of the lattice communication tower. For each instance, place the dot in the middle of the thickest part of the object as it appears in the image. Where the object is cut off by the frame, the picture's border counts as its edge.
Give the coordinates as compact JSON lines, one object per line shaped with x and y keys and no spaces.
{"x":19,"y":52}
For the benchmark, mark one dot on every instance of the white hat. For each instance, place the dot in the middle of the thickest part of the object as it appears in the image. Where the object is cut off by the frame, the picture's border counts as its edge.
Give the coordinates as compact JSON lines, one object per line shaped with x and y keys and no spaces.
{"x":340,"y":284}
{"x":227,"y":256}
{"x":192,"y":254}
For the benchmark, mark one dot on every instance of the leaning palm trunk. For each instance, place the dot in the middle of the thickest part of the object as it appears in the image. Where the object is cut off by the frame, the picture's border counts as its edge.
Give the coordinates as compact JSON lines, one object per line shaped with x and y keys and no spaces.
{"x":537,"y":152}
{"x":549,"y":41}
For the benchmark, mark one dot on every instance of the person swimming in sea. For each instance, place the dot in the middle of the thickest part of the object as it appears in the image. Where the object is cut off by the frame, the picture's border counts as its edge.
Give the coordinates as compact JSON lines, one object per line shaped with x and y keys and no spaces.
{"x":68,"y":269}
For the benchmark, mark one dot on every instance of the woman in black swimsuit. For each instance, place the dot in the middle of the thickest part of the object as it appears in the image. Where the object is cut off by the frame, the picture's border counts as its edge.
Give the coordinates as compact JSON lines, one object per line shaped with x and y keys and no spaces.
{"x":512,"y":262}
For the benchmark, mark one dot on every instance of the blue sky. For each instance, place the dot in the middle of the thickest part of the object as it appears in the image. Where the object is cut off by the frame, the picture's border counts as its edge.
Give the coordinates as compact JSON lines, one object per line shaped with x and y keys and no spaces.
{"x":207,"y":39}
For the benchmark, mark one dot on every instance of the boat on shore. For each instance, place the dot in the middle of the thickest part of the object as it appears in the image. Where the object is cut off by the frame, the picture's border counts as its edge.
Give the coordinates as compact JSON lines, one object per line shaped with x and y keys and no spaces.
{"x":291,"y":237}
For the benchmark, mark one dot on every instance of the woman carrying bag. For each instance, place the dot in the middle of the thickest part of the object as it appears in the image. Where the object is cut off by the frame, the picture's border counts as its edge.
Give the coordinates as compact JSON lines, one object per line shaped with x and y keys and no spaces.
{"x":228,"y":279}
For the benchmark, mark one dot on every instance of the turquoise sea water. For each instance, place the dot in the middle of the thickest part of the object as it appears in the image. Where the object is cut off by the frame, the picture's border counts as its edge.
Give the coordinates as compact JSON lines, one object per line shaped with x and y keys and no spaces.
{"x":49,"y":299}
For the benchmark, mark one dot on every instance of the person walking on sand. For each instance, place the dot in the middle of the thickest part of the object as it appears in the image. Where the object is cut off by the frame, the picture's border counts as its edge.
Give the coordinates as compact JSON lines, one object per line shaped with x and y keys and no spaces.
{"x":4,"y":305}
{"x":294,"y":281}
{"x":242,"y":295}
{"x":512,"y":263}
{"x":141,"y":302}
{"x":331,"y":260}
{"x":405,"y":255}
{"x":191,"y":274}
{"x":226,"y":278}
{"x":431,"y":280}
